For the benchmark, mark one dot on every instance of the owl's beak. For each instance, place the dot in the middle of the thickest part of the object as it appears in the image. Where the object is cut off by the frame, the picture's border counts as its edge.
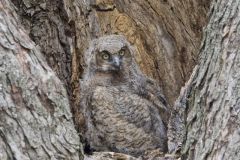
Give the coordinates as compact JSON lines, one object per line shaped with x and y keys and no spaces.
{"x":116,"y":62}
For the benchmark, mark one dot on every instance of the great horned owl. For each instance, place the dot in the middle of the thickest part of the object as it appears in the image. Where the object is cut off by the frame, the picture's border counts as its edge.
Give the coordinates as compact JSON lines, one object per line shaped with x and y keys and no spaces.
{"x":124,"y":110}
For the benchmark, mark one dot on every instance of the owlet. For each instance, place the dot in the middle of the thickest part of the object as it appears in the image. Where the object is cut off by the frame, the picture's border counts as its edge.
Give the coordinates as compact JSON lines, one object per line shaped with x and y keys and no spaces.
{"x":124,"y":111}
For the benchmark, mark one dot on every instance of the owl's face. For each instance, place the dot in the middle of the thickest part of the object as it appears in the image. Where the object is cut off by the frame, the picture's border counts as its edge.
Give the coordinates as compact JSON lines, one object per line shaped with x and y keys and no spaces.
{"x":110,"y":56}
{"x":108,"y":60}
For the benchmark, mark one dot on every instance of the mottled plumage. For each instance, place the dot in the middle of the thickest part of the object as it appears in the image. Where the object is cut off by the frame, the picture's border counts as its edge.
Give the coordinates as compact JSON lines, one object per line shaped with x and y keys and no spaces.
{"x":124,"y":110}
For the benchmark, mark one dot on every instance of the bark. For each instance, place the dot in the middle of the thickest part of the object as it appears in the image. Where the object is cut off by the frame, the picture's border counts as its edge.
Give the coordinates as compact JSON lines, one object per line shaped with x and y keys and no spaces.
{"x":167,"y":35}
{"x":177,"y":125}
{"x":35,"y":117}
{"x":213,"y":119}
{"x":46,"y":22}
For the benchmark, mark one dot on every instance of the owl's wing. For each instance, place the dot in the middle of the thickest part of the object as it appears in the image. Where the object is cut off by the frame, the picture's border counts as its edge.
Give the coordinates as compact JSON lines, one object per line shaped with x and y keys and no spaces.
{"x":154,"y":94}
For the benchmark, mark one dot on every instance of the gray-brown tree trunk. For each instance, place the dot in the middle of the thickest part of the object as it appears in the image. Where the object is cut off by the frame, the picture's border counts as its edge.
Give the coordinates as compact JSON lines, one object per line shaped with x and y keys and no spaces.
{"x":213,"y":113}
{"x":35,"y":114}
{"x":35,"y":118}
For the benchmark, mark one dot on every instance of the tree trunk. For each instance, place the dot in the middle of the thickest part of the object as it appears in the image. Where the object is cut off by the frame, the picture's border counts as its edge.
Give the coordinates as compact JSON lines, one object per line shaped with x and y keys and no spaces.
{"x":35,"y":117}
{"x":213,"y":119}
{"x":167,"y":35}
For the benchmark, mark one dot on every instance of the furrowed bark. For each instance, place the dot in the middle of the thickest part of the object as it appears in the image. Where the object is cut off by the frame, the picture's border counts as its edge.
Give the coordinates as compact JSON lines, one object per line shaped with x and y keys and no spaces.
{"x":213,"y":120}
{"x":35,"y":117}
{"x":167,"y":35}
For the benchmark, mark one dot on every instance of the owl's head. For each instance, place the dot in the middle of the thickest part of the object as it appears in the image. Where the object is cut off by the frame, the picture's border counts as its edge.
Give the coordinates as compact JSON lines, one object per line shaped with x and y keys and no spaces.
{"x":109,"y":54}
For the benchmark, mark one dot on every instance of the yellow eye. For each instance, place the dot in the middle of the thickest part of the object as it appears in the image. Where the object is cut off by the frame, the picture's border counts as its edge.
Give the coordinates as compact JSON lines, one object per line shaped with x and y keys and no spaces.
{"x":105,"y":56}
{"x":121,"y":53}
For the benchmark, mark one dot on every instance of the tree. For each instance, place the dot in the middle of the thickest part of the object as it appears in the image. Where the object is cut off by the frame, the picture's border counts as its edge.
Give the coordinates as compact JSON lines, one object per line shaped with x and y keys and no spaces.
{"x":35,"y":117}
{"x":213,"y":106}
{"x":167,"y":36}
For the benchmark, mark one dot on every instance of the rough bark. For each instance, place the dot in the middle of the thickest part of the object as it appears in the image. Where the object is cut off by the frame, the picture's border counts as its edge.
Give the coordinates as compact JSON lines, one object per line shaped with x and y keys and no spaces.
{"x":213,"y":119}
{"x":176,"y":125}
{"x":35,"y":117}
{"x":167,"y":35}
{"x":49,"y":26}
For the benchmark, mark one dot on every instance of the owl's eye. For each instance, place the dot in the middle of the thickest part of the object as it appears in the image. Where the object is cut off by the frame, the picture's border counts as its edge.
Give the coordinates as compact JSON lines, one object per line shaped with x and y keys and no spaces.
{"x":105,"y":56}
{"x":121,"y":53}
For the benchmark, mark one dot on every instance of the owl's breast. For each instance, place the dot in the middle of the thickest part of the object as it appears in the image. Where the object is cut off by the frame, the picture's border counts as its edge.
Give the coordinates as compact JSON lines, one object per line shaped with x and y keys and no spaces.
{"x":110,"y":104}
{"x":124,"y":120}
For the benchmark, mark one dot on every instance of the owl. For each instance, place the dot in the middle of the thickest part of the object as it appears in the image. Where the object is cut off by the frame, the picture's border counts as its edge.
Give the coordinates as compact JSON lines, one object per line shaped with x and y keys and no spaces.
{"x":124,"y":110}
